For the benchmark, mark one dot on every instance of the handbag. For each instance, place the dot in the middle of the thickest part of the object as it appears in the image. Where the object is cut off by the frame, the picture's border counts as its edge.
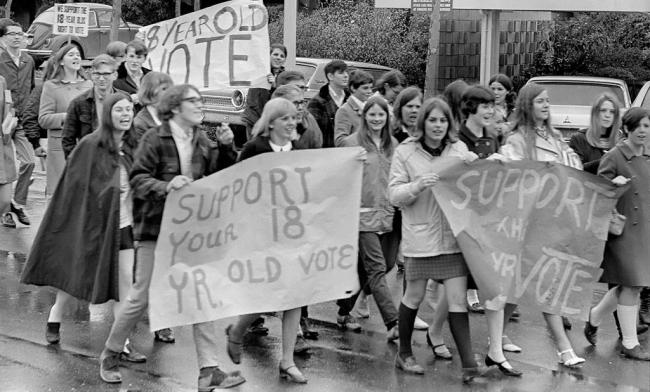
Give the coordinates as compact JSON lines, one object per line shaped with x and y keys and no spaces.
{"x":617,"y":223}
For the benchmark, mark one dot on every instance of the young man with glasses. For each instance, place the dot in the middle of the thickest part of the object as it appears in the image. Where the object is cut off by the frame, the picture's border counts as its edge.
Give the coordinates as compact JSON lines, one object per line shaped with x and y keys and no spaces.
{"x":84,"y":110}
{"x":18,"y":70}
{"x":169,"y":157}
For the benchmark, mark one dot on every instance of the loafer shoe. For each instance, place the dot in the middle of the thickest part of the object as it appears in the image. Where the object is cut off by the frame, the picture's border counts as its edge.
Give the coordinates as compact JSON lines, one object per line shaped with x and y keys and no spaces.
{"x":129,"y":354}
{"x":636,"y":353}
{"x":301,"y":346}
{"x":509,"y":346}
{"x":293,"y":374}
{"x":409,"y":365}
{"x":348,"y":322}
{"x":165,"y":335}
{"x":211,"y":378}
{"x":109,"y":367}
{"x":7,"y":220}
{"x":591,"y":333}
{"x":52,"y":333}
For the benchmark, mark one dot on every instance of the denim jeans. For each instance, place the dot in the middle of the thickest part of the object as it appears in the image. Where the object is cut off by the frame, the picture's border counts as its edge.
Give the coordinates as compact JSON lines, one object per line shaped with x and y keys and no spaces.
{"x":24,"y":155}
{"x":374,"y":252}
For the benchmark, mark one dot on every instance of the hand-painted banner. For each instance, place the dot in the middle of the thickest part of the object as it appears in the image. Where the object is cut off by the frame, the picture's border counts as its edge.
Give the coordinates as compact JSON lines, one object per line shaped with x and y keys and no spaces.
{"x":531,"y":232}
{"x":274,"y":232}
{"x":226,"y":45}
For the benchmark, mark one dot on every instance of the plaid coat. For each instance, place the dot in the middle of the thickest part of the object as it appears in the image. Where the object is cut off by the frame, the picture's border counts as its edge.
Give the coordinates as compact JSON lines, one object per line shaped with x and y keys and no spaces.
{"x":156,"y":162}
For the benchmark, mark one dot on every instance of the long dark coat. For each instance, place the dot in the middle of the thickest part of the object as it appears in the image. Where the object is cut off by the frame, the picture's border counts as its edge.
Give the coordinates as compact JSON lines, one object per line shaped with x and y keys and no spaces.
{"x":627,"y":257}
{"x":77,"y":245}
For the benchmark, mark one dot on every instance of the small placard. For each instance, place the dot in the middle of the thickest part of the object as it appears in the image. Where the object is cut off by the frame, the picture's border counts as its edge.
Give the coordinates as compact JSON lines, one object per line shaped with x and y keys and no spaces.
{"x":446,"y":5}
{"x":70,"y":19}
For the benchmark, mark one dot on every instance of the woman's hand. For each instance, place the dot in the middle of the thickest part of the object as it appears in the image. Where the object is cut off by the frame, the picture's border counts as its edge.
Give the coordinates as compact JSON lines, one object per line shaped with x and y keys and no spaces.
{"x":363,"y":155}
{"x":225,"y":135}
{"x":135,"y":98}
{"x":427,"y":180}
{"x":620,"y":180}
{"x":177,"y":183}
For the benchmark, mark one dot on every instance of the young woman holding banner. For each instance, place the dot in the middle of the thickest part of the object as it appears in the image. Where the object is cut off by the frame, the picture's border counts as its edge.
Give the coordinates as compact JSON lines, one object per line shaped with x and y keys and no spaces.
{"x":626,"y":256}
{"x":429,"y":246}
{"x":533,"y":138}
{"x":273,"y":132}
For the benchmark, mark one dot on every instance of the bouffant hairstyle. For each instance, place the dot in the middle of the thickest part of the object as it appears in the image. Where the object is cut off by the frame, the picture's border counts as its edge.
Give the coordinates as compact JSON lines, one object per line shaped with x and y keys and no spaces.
{"x":473,"y":97}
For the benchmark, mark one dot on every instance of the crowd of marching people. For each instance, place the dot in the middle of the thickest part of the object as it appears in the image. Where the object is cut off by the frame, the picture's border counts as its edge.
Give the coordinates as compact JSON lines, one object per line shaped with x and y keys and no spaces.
{"x":120,"y":138}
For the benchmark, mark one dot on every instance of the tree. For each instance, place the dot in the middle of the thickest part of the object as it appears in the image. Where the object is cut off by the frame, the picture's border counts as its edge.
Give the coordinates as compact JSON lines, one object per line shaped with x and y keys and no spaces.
{"x":115,"y":22}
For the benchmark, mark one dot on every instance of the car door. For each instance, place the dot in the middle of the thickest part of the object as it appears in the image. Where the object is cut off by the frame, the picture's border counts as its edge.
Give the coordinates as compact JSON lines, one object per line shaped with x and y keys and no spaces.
{"x":93,"y":45}
{"x":104,"y":17}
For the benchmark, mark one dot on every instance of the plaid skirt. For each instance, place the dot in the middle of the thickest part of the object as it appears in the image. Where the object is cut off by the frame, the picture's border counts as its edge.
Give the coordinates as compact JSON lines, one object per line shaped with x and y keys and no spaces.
{"x":438,"y":268}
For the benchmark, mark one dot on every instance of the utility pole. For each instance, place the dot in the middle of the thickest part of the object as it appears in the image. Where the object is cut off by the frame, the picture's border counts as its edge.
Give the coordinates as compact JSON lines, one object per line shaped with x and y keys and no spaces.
{"x":290,"y":17}
{"x":197,"y":5}
{"x":177,"y":11}
{"x":8,"y":9}
{"x":433,"y":54}
{"x":115,"y":22}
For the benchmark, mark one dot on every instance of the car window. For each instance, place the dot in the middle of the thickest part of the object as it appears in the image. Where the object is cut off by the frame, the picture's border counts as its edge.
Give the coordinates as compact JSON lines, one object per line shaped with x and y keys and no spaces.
{"x":92,"y":19}
{"x":646,"y":100}
{"x":308,"y":71}
{"x":104,"y":17}
{"x":376,"y":73}
{"x":567,"y":93}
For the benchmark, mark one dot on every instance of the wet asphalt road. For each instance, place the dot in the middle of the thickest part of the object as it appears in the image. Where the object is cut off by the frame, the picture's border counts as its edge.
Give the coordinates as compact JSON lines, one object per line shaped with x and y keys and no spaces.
{"x":338,"y":361}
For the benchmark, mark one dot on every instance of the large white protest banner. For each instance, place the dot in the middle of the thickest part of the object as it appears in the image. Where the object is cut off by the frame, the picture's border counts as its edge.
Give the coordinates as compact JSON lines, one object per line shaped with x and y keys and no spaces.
{"x":274,"y":232}
{"x":226,"y":45}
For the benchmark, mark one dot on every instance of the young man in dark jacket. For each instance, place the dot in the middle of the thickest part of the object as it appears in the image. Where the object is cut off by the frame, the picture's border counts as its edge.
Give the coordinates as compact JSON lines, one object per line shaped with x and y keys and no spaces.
{"x":18,"y":70}
{"x":82,"y":117}
{"x":329,"y":99}
{"x":168,"y":158}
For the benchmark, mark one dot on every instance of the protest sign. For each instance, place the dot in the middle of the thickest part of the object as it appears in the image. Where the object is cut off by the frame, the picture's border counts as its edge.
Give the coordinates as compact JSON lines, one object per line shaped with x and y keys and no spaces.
{"x":530,"y":231}
{"x":226,"y":45}
{"x":70,"y":19}
{"x":274,"y":232}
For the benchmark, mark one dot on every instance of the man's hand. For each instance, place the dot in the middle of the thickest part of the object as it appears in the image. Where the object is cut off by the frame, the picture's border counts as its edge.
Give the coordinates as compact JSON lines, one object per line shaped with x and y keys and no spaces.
{"x":225,"y":135}
{"x":177,"y":183}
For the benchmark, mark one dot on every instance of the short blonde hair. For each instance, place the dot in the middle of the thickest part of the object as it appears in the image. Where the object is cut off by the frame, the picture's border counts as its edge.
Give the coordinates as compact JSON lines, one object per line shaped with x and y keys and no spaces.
{"x":275,"y":108}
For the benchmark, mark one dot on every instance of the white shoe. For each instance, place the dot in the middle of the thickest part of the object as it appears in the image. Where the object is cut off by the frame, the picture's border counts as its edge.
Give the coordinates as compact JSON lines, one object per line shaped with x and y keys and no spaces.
{"x":420,"y":324}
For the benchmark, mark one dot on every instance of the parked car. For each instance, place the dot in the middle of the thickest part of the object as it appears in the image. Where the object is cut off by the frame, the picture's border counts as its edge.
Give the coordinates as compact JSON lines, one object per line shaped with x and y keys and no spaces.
{"x":44,"y":43}
{"x":227,"y":105}
{"x":573,"y":96}
{"x":643,"y":98}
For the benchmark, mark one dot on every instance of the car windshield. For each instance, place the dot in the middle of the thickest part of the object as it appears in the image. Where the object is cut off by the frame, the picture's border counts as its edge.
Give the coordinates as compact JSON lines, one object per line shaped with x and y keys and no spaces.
{"x":567,"y":93}
{"x":47,"y":17}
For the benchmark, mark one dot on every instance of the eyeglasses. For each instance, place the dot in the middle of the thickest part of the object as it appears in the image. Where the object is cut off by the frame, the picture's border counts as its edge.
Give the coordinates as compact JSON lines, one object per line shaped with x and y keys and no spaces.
{"x":15,"y":34}
{"x":102,"y":75}
{"x":193,"y":100}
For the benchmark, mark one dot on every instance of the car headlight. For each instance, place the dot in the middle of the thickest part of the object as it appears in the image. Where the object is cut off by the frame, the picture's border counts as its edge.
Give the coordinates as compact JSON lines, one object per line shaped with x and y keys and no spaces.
{"x":47,"y":42}
{"x":238,"y":99}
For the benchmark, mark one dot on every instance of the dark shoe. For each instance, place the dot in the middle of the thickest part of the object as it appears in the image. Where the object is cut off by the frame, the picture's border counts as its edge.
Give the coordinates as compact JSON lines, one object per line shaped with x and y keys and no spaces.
{"x":293,"y":374}
{"x":644,"y":306}
{"x":641,"y":328}
{"x":400,"y":268}
{"x":233,"y":348}
{"x":515,"y":315}
{"x":129,"y":354}
{"x":409,"y":365}
{"x":469,"y":374}
{"x":510,"y":372}
{"x":214,"y":378}
{"x":644,"y":318}
{"x":636,"y":353}
{"x":109,"y":367}
{"x":566,"y":323}
{"x":257,"y":327}
{"x":591,"y":333}
{"x":348,"y":322}
{"x":307,"y":331}
{"x":439,"y":351}
{"x":52,"y":334}
{"x":8,"y":220}
{"x":476,"y":307}
{"x":165,"y":335}
{"x":301,"y":346}
{"x":20,"y":214}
